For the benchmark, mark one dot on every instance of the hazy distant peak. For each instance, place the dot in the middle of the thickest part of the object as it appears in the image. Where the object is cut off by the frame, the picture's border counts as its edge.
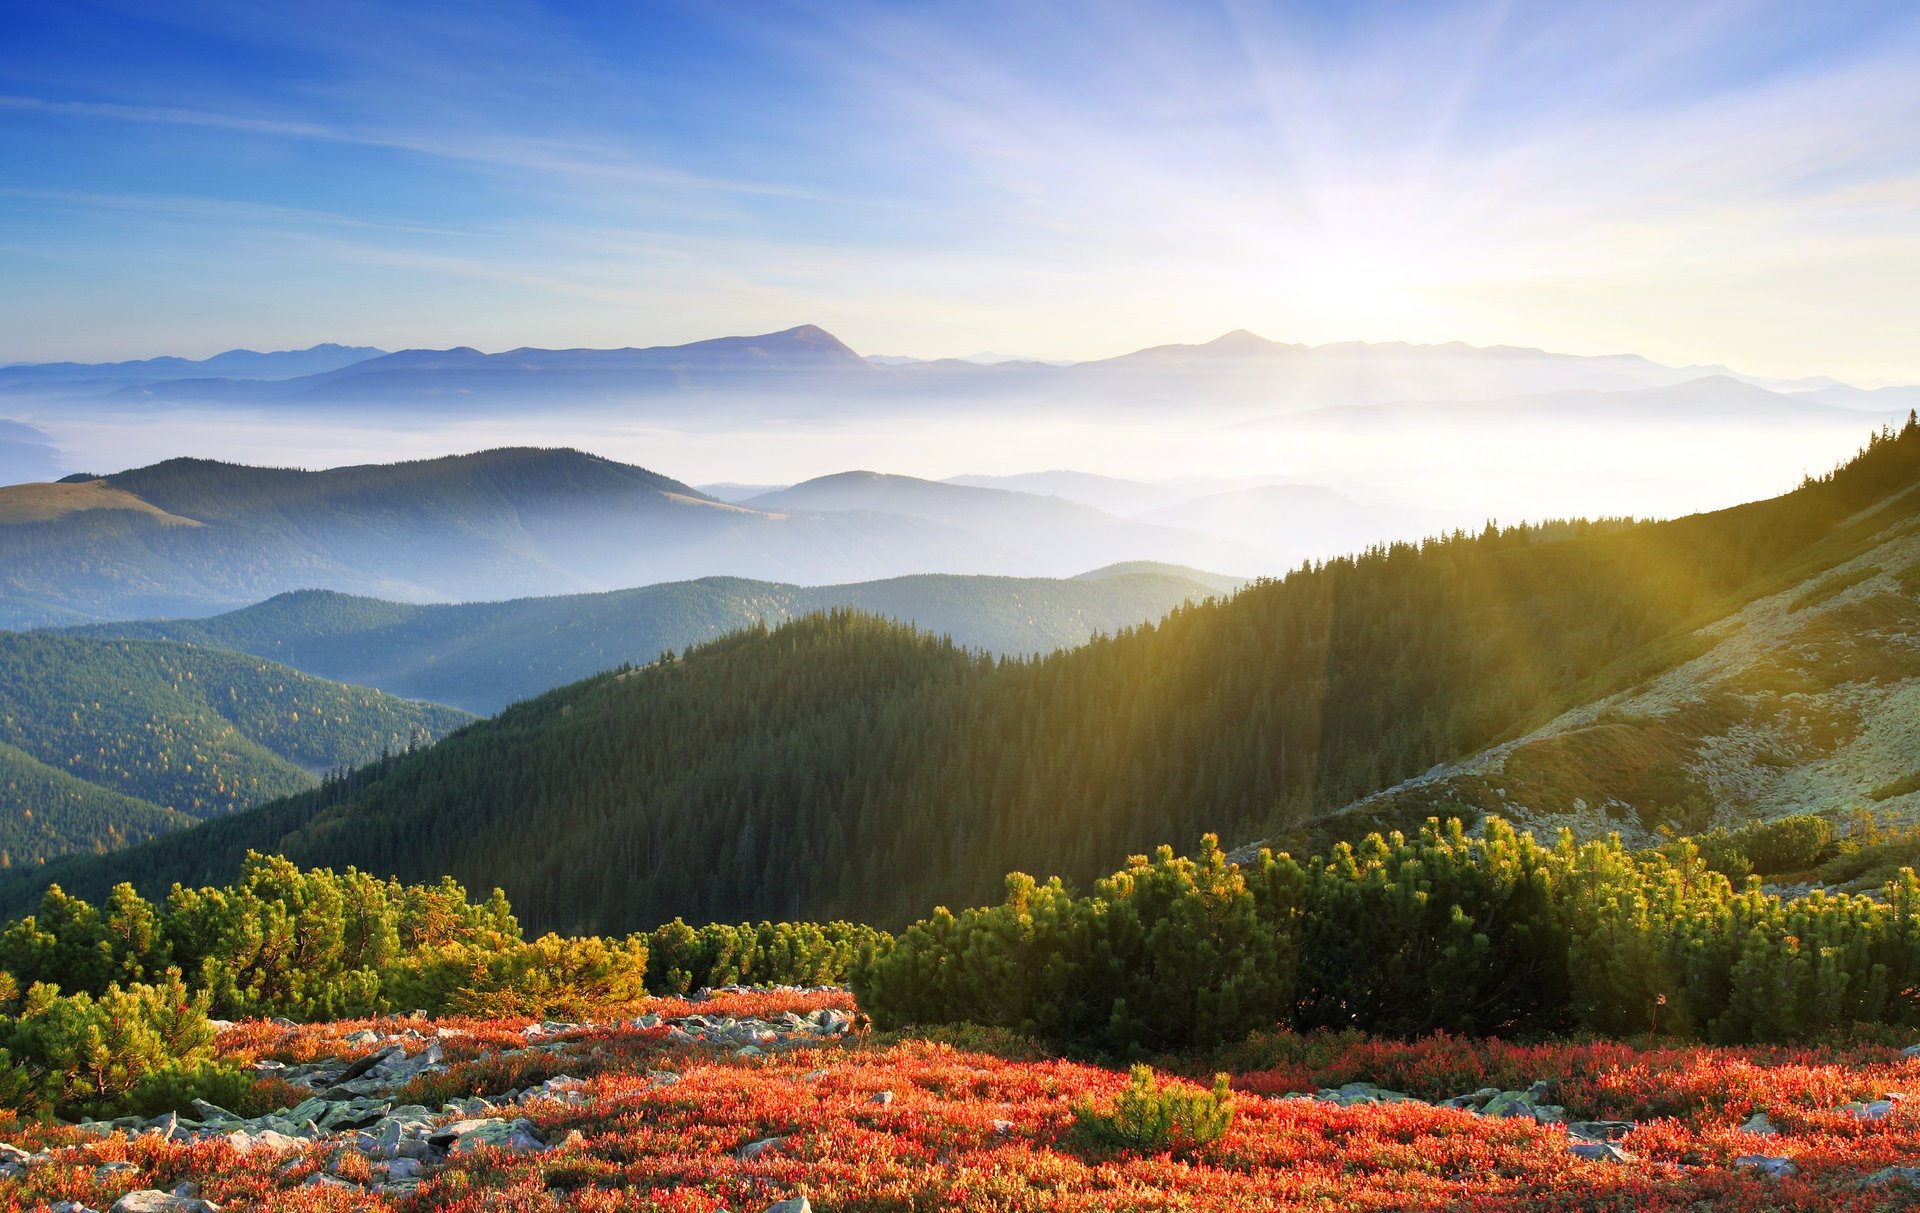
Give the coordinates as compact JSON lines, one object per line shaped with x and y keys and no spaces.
{"x":1240,"y":339}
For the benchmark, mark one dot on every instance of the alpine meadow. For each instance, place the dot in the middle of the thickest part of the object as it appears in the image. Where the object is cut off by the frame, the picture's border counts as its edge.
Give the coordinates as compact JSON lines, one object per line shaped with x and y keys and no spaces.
{"x":878,"y":608}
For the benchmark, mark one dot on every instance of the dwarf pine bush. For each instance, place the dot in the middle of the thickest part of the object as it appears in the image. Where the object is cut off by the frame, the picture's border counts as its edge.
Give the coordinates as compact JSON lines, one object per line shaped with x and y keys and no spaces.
{"x":1158,"y":1118}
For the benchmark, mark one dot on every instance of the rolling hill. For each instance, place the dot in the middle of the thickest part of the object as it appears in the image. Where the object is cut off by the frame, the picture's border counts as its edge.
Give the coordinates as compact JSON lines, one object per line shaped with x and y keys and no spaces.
{"x":192,"y":537}
{"x":847,"y":766}
{"x":106,"y":742}
{"x":482,"y":656}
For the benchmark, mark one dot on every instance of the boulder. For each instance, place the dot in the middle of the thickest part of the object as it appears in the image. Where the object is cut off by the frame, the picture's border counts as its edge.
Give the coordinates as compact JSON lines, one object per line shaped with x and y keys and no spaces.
{"x":1598,"y":1151}
{"x":1910,"y":1176}
{"x":1779,"y":1168}
{"x":1600,"y":1130}
{"x":153,"y":1200}
{"x":369,"y":1062}
{"x":266,"y":1139}
{"x":797,"y":1204}
{"x":1759,"y":1126}
{"x":755,"y":1149}
{"x":491,"y":1133}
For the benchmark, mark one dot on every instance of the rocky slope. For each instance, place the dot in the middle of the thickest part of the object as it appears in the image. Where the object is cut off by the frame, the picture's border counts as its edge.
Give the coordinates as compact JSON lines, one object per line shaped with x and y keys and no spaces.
{"x":1805,"y":700}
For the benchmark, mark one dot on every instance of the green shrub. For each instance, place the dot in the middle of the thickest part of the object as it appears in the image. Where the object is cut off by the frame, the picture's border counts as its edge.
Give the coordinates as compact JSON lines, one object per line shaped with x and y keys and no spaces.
{"x":76,"y":1053}
{"x":174,"y":1087}
{"x":683,"y":958}
{"x":1158,"y":1118}
{"x":553,"y":977}
{"x":1405,"y":936}
{"x":1724,"y":853}
{"x":1789,"y":844}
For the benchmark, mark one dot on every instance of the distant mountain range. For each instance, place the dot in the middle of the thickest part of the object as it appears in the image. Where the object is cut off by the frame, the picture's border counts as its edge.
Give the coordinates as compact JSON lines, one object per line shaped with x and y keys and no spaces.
{"x":482,"y":656}
{"x":234,"y":364}
{"x":767,"y":372}
{"x":189,"y":537}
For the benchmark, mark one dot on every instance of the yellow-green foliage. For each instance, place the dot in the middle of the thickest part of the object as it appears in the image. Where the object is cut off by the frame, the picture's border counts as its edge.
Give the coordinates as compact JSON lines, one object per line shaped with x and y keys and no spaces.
{"x":683,"y":958}
{"x":552,"y":977}
{"x":68,"y":1053}
{"x":1404,"y":936}
{"x":1159,"y":1118}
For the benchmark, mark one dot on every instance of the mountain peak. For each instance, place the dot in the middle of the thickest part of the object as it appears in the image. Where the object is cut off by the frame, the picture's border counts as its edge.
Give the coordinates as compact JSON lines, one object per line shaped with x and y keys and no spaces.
{"x":1239,"y":339}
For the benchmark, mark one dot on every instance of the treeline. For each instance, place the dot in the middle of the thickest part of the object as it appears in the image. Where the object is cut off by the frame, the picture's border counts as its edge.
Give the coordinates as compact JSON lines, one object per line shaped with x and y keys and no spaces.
{"x":101,"y":1003}
{"x":1490,"y":935}
{"x":847,"y":767}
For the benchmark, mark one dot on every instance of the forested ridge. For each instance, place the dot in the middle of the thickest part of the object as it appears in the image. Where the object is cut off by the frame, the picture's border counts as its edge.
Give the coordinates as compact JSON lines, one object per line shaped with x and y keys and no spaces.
{"x":482,"y":656}
{"x":106,"y":742}
{"x":846,"y":767}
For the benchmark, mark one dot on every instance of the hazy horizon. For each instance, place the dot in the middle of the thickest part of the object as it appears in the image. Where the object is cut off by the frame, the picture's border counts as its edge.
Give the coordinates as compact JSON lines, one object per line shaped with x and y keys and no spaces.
{"x":1065,"y":182}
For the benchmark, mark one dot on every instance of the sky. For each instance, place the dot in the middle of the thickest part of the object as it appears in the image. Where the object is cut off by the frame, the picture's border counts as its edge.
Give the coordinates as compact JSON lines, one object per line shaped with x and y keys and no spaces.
{"x":1714,"y":181}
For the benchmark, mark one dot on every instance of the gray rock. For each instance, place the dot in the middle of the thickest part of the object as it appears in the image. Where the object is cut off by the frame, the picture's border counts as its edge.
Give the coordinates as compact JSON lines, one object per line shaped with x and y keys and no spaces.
{"x":491,"y":1133}
{"x":797,"y":1204}
{"x":212,"y":1111}
{"x":1909,"y":1176}
{"x":1759,"y":1126}
{"x":322,"y":1180}
{"x":1600,"y":1130}
{"x":1779,"y":1168}
{"x":755,"y":1149}
{"x":1598,"y":1151}
{"x":403,"y":1168}
{"x":1874,"y":1110}
{"x":883,"y":1098}
{"x":153,"y":1200}
{"x":266,"y":1139}
{"x":1911,"y":1051}
{"x":368,"y":1062}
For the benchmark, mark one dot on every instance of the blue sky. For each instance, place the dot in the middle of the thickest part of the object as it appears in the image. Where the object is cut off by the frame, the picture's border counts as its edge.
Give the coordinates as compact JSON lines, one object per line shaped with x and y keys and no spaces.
{"x":1730,"y":181}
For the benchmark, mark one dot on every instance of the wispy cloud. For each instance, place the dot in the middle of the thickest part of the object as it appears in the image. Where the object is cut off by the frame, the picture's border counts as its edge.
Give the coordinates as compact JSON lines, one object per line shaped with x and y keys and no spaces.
{"x":1729,"y":180}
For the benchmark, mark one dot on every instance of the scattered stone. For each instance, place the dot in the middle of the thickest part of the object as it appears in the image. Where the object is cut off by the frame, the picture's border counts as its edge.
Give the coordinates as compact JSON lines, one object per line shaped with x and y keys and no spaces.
{"x":1909,"y":1176}
{"x":1001,"y":1128}
{"x":755,"y":1149}
{"x":1779,"y":1168}
{"x":323,"y":1180}
{"x":153,"y":1200}
{"x":1873,"y":1110}
{"x":465,"y":1136}
{"x":266,"y":1139}
{"x":1599,"y":1151}
{"x":1600,"y":1130}
{"x":797,"y":1204}
{"x":883,"y":1098}
{"x":1911,"y":1051}
{"x":1759,"y":1126}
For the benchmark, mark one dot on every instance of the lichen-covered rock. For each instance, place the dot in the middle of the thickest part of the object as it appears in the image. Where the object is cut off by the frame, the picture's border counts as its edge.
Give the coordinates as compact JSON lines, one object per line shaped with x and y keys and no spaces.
{"x":1779,"y":1168}
{"x":152,"y":1200}
{"x":755,"y":1149}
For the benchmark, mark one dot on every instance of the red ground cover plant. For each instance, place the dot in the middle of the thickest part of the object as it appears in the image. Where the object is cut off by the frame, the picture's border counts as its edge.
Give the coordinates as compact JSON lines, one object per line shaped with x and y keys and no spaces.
{"x":967,"y":1130}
